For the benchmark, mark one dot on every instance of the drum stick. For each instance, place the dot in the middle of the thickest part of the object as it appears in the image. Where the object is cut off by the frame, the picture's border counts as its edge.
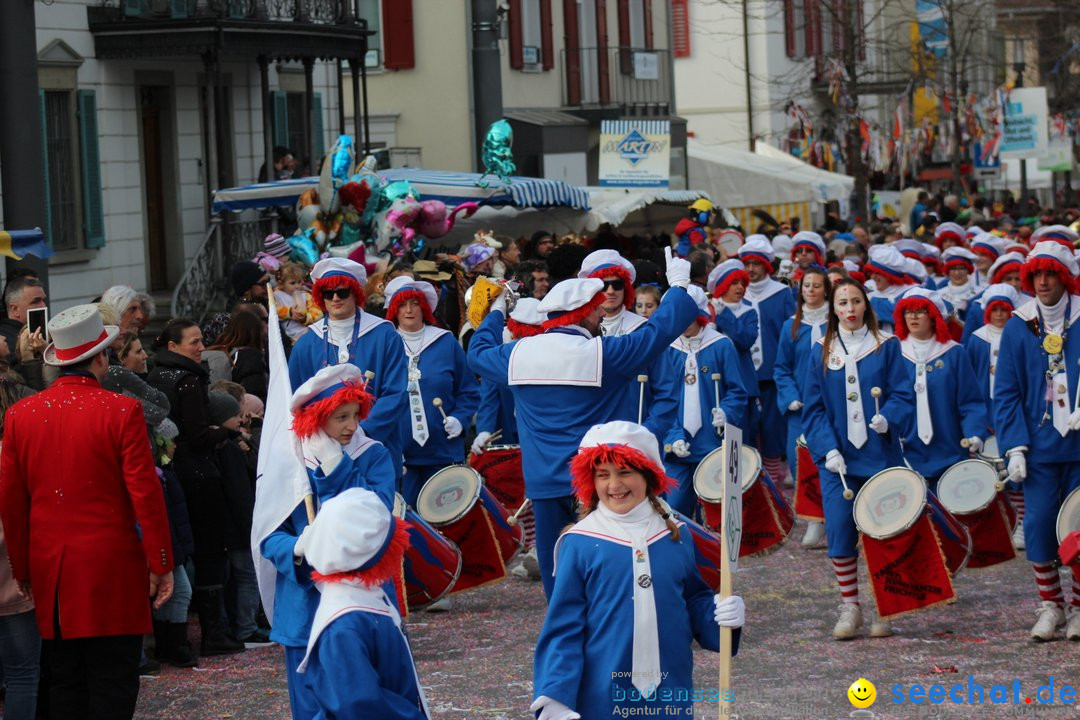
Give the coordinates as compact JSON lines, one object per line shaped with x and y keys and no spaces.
{"x":716,"y":389}
{"x":965,"y":443}
{"x":642,"y":379}
{"x":437,"y":402}
{"x":848,"y":495}
{"x":309,"y":506}
{"x":667,"y":448}
{"x":876,"y":393}
{"x":513,"y":519}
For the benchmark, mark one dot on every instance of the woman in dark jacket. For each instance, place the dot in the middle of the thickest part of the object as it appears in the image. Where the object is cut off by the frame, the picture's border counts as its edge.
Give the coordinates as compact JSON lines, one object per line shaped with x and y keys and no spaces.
{"x":243,"y":340}
{"x":179,"y":374}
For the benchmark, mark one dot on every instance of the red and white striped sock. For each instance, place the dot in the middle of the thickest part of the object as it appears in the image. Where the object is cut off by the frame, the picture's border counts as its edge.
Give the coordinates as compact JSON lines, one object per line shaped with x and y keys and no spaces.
{"x":1016,"y":499}
{"x":847,"y":577}
{"x":1075,"y":601}
{"x":528,"y":525}
{"x":776,"y":467}
{"x":1049,"y":583}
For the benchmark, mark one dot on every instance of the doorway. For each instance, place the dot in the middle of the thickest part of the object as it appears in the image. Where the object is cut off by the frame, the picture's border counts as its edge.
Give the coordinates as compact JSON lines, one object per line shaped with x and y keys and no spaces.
{"x":157,"y":134}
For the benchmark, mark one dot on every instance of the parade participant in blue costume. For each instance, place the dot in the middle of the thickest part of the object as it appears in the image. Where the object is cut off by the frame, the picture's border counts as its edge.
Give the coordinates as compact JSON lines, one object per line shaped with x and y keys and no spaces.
{"x":948,"y":406}
{"x":436,"y":370}
{"x":567,"y":380}
{"x":807,"y":250}
{"x":888,"y":270}
{"x":357,"y":662}
{"x":987,"y":248}
{"x":1037,"y":421}
{"x":694,"y":357}
{"x":852,"y":358}
{"x":948,"y":234}
{"x":736,"y":320}
{"x":618,"y":275}
{"x":959,"y":289}
{"x":327,"y":412}
{"x":797,"y":339}
{"x":629,"y":601}
{"x":931,"y":260}
{"x":1006,"y":269}
{"x":774,"y":304}
{"x":347,"y":334}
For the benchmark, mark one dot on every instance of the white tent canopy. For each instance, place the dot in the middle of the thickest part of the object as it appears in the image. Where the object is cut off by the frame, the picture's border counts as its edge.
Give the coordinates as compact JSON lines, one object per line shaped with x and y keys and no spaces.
{"x":826,"y":185}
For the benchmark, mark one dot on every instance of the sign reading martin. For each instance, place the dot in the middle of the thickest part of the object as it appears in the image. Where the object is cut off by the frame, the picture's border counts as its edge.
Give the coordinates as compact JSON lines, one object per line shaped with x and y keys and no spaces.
{"x":635,"y":153}
{"x":1026,"y":130}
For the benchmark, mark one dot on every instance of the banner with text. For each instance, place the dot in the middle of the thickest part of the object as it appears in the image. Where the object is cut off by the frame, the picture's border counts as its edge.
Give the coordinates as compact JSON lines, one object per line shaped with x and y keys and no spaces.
{"x":635,"y":153}
{"x":1026,"y":130}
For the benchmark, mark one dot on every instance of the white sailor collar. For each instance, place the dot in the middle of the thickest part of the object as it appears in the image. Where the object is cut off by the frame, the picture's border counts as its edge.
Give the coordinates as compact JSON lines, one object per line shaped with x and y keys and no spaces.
{"x":368,"y":322}
{"x":359,"y":445}
{"x":430,"y":335}
{"x":984,"y":333}
{"x":770,"y":288}
{"x":871,"y":348}
{"x":1028,"y":311}
{"x":907,"y":349}
{"x":708,"y":335}
{"x":590,"y":526}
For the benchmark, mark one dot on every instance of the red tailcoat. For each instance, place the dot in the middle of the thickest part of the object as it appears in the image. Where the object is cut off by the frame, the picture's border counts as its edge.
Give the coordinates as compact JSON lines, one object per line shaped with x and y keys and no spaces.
{"x":77,"y":487}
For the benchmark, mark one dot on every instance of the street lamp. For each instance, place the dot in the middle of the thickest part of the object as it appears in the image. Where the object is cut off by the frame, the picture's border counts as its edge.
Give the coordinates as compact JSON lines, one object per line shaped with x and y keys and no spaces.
{"x":1018,"y":68}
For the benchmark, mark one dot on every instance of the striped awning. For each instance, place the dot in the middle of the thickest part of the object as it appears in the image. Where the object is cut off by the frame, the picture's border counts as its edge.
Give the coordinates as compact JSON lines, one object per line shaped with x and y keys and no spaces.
{"x":452,"y":188}
{"x":781,"y":211}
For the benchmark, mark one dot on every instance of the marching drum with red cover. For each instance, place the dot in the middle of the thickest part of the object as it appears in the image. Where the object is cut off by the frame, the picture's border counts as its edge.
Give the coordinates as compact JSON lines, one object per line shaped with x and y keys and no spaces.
{"x":767,"y":518}
{"x":707,"y":551}
{"x":432,"y":562}
{"x":808,"y":504}
{"x":969,"y":491}
{"x":500,"y":466}
{"x":912,"y":546}
{"x":1068,"y":519}
{"x":456,"y":502}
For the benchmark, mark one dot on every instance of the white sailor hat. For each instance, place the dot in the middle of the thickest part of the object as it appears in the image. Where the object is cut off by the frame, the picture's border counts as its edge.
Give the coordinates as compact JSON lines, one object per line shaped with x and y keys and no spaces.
{"x":351,"y":533}
{"x":325,"y":383}
{"x":1008,"y":262}
{"x":624,"y":443}
{"x":927,"y":294}
{"x":718,"y":278}
{"x":886,"y":260}
{"x":988,"y":245}
{"x":809,"y":238}
{"x":404,"y":283}
{"x":958,"y":255}
{"x":1001,"y":291}
{"x":597,"y":262}
{"x":1054,"y":251}
{"x":949,"y":230}
{"x":527,"y":312}
{"x":757,"y":247}
{"x":567,"y":302}
{"x":782,"y":246}
{"x":339,"y":267}
{"x":915,"y":269}
{"x":910,"y":248}
{"x":1058,"y":233}
{"x":931,"y":252}
{"x":77,"y":334}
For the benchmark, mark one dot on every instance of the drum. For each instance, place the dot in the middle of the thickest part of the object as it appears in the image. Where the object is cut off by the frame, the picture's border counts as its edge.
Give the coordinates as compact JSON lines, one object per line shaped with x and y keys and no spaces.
{"x":1068,"y":519}
{"x":500,"y":466}
{"x":991,"y":454}
{"x":456,"y":502}
{"x":707,"y":552}
{"x":968,"y":490}
{"x":808,"y":503}
{"x":432,"y":561}
{"x":767,"y":518}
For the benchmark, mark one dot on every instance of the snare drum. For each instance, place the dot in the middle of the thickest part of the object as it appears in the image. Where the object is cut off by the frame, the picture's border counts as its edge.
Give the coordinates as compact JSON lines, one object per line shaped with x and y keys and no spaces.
{"x":968,"y":490}
{"x":808,"y":503}
{"x":767,"y":518}
{"x":500,"y":465}
{"x":1068,"y":519}
{"x":432,"y":561}
{"x":456,"y":502}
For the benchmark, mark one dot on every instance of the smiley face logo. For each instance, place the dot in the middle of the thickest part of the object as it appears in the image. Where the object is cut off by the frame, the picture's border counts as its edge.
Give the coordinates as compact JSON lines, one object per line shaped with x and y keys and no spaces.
{"x":862,"y":693}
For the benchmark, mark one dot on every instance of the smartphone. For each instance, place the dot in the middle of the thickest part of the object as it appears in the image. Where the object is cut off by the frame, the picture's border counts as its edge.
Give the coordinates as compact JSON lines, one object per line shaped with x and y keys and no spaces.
{"x":38,"y":318}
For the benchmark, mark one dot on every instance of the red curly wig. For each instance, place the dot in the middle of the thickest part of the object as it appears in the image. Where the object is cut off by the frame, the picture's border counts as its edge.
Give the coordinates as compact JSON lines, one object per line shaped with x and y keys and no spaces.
{"x":387,"y":565}
{"x":574,"y":317}
{"x":1041,"y":263}
{"x":724,"y":285}
{"x":941,"y":328}
{"x":1001,"y":272}
{"x":622,"y":274}
{"x":401,"y":296}
{"x":584,"y":463}
{"x":334,"y":282}
{"x":996,"y":305}
{"x":311,"y":418}
{"x":954,"y":261}
{"x":871,"y":268}
{"x":522,"y":330}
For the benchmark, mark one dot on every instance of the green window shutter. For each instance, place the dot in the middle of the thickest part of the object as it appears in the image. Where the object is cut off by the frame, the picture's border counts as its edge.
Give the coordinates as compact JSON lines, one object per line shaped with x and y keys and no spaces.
{"x":93,"y":206}
{"x":281,"y":118}
{"x":134,"y":8}
{"x":317,"y":128}
{"x":47,"y":227}
{"x":179,"y":9}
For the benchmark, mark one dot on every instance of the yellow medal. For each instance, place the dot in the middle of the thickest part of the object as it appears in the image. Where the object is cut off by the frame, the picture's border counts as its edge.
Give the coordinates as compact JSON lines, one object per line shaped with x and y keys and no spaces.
{"x":1052,"y":343}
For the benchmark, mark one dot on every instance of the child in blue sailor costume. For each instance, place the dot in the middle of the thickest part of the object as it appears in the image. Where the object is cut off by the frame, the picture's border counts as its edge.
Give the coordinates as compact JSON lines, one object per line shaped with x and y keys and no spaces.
{"x":888,"y":270}
{"x":1037,"y":420}
{"x":773,"y":303}
{"x":959,"y":288}
{"x":694,"y":356}
{"x":797,"y":340}
{"x":629,"y":600}
{"x":807,"y":250}
{"x":347,"y":334}
{"x":618,"y":275}
{"x":1006,"y":269}
{"x":566,"y":380}
{"x":436,"y":370}
{"x":327,"y":411}
{"x":948,"y":405}
{"x":736,"y":320}
{"x":852,"y":358}
{"x":357,"y":663}
{"x":988,"y":248}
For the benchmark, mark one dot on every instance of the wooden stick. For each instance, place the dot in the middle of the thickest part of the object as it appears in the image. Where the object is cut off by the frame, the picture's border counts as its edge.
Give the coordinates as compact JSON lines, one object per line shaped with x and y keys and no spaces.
{"x":309,"y":505}
{"x":847,"y":491}
{"x":876,"y":393}
{"x":716,"y":389}
{"x":437,"y":402}
{"x":724,"y":682}
{"x":513,"y":519}
{"x":642,"y":379}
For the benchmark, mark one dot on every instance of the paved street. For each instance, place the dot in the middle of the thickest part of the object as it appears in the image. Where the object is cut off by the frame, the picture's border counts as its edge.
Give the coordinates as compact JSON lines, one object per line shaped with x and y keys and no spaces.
{"x":476,"y":661}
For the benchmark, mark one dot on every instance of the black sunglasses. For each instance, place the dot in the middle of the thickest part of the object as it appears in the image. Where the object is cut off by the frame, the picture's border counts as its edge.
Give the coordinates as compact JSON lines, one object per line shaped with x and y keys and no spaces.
{"x":340,"y":293}
{"x":614,"y":285}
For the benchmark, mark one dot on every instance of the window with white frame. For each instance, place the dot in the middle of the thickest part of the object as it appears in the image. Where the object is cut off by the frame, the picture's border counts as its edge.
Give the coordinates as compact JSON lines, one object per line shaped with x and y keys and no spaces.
{"x":532,"y":50}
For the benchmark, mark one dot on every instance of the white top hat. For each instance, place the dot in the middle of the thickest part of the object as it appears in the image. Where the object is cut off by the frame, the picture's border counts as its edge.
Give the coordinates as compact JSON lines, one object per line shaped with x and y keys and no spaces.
{"x":78,"y":334}
{"x":598,"y":260}
{"x":405,"y":282}
{"x":339,"y":266}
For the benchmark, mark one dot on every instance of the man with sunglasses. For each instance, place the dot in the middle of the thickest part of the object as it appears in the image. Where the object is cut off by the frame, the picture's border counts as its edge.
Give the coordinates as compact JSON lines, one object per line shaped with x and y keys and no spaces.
{"x":347,"y":334}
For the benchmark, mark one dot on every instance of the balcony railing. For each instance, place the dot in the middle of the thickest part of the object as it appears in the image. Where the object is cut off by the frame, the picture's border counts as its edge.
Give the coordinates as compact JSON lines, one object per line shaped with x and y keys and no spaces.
{"x":637,"y":80}
{"x":320,"y":12}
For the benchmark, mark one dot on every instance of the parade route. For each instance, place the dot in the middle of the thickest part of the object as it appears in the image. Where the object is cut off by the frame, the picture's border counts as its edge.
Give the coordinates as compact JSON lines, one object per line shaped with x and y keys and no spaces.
{"x":475,"y":662}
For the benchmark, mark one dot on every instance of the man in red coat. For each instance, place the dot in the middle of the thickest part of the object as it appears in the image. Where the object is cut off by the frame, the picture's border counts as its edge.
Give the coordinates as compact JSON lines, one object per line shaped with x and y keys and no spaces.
{"x":85,"y":520}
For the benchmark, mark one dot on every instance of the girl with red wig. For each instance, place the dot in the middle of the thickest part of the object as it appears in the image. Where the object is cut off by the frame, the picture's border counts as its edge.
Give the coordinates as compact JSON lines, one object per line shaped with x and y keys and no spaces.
{"x":600,"y":653}
{"x":948,"y":406}
{"x":327,"y":412}
{"x":960,"y":288}
{"x":436,"y":370}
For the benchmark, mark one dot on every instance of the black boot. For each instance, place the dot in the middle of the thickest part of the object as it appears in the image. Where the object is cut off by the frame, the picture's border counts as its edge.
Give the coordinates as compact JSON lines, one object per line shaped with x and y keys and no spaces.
{"x":180,"y":650}
{"x":210,"y":606}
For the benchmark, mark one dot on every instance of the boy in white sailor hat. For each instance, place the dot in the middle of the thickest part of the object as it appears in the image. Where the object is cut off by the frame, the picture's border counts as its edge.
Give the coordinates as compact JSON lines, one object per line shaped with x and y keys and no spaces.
{"x":736,"y":320}
{"x":1037,"y":420}
{"x":348,"y":335}
{"x":1005,"y":270}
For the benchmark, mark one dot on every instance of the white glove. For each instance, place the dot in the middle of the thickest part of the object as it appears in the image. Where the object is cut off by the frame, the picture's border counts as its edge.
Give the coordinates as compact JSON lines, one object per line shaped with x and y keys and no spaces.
{"x":300,"y":546}
{"x":718,"y":418}
{"x":681,"y":448}
{"x":499,"y":303}
{"x":975,"y":443}
{"x":479,"y":445}
{"x":879,"y":424}
{"x":794,"y":406}
{"x":1074,"y":420}
{"x":678,"y":270}
{"x":834,"y":463}
{"x":1017,"y":468}
{"x":730,"y":611}
{"x":322,"y":449}
{"x":452,"y":427}
{"x":552,"y":709}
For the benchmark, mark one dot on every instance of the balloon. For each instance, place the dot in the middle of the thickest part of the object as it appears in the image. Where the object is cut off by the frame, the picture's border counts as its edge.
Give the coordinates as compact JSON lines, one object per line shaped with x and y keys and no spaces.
{"x":303,"y":248}
{"x":497,"y":156}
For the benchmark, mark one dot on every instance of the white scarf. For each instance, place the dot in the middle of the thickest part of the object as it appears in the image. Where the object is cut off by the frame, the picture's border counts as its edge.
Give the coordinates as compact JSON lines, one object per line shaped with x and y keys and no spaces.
{"x":920,"y":351}
{"x":341,"y":334}
{"x":1053,"y":318}
{"x":959,"y":295}
{"x":756,"y":292}
{"x":624,"y":323}
{"x":849,"y":346}
{"x":816,"y":318}
{"x":993,"y":334}
{"x":892,"y":292}
{"x":414,"y":345}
